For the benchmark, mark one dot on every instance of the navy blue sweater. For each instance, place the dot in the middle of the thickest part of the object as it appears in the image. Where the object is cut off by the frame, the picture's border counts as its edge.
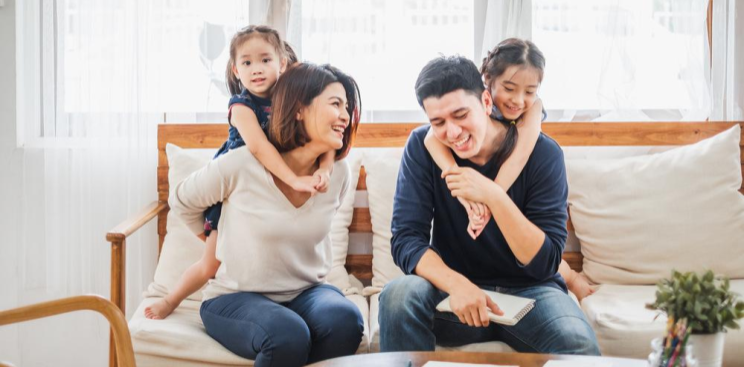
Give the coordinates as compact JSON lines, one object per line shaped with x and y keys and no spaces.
{"x":540,"y":192}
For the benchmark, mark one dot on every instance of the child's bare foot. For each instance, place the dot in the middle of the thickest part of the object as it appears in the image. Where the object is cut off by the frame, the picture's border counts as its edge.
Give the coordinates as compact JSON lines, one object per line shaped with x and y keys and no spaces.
{"x":159,"y":310}
{"x":580,"y":286}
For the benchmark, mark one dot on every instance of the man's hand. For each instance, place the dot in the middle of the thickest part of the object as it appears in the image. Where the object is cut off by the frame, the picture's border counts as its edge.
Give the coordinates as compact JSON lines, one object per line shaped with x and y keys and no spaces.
{"x":466,"y":183}
{"x":471,"y":305}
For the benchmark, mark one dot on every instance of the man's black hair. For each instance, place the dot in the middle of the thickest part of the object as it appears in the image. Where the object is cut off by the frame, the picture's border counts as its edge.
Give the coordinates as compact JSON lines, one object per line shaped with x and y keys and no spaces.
{"x":447,"y":74}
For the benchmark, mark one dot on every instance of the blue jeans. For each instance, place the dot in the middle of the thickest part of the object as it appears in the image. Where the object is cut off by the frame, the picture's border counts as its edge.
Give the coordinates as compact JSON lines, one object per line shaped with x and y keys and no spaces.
{"x":318,"y":324}
{"x":409,"y":321}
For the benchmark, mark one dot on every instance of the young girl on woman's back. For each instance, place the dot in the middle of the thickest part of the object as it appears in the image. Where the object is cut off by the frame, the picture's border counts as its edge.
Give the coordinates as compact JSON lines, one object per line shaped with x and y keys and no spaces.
{"x":512,"y":71}
{"x":258,"y":56}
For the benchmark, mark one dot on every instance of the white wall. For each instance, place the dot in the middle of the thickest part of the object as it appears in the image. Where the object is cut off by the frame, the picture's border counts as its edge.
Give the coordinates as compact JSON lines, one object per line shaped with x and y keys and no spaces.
{"x":10,"y":168}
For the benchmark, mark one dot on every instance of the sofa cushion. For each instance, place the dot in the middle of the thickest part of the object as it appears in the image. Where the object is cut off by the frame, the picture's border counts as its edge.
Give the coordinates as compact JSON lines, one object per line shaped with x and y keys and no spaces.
{"x":181,"y":336}
{"x":181,"y":248}
{"x":374,"y":332}
{"x":625,"y":328}
{"x":338,"y":276}
{"x":382,"y":175}
{"x":638,"y":218}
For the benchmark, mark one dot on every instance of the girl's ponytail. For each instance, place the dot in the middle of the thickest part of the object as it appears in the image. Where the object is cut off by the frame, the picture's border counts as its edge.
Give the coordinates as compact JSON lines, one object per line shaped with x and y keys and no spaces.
{"x":231,"y":81}
{"x":509,"y":143}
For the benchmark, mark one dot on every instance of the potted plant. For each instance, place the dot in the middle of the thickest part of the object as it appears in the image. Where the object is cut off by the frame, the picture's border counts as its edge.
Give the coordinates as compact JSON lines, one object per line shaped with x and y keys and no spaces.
{"x":708,"y":305}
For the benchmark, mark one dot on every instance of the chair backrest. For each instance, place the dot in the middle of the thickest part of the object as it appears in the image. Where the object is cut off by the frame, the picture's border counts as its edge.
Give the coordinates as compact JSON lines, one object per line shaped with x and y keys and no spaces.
{"x":386,"y":135}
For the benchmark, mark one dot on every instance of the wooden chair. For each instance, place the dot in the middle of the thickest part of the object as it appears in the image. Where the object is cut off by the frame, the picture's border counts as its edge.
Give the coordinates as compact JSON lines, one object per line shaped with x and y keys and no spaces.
{"x":381,"y":135}
{"x":122,"y":342}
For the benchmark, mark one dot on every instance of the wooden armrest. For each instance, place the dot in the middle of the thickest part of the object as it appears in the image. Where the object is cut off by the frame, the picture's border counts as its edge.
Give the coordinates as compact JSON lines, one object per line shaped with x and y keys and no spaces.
{"x":122,"y":339}
{"x":129,"y":226}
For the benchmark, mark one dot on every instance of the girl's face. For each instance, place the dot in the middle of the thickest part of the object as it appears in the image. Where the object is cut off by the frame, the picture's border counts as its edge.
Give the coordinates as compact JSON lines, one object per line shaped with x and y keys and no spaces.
{"x":326,"y":118}
{"x":515,"y":90}
{"x":258,"y":66}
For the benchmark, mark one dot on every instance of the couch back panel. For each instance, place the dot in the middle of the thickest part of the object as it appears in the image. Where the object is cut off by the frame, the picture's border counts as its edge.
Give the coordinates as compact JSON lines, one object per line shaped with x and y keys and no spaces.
{"x":386,"y":135}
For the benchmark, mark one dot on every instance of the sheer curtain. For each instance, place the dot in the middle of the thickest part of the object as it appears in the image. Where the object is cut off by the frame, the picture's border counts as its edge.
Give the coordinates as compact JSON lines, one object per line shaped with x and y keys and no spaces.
{"x":611,"y":60}
{"x":108,"y":72}
{"x":727,"y":71}
{"x":505,"y":19}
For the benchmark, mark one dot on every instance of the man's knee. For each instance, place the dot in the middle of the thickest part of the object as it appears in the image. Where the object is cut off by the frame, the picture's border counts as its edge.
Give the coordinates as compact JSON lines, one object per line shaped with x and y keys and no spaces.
{"x":575,"y":336}
{"x":404,"y":294}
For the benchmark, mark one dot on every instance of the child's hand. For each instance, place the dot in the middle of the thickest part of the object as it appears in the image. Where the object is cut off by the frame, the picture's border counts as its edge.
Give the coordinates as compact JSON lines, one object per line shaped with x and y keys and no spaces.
{"x":303,"y":184}
{"x":321,"y":178}
{"x":477,"y":224}
{"x":478,"y":216}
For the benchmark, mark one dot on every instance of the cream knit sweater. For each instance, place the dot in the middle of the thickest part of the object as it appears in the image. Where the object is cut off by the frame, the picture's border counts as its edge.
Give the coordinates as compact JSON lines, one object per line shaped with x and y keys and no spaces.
{"x":266,"y":244}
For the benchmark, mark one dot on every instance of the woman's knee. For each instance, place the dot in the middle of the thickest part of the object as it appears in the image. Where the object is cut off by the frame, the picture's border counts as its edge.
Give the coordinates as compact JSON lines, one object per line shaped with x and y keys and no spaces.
{"x":287,"y":343}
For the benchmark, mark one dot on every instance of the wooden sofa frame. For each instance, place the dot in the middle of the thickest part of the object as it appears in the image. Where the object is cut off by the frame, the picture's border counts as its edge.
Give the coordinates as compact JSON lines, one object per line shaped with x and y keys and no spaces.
{"x":378,"y":135}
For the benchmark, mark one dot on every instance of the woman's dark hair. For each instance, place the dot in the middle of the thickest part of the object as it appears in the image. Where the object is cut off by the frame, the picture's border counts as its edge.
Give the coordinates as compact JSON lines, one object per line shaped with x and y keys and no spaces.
{"x":297,"y":88}
{"x":510,"y":52}
{"x":268,"y":34}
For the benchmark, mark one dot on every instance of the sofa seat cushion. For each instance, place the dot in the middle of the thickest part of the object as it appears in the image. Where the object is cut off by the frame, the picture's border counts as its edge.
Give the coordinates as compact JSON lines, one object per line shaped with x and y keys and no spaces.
{"x":181,"y":336}
{"x":625,"y":328}
{"x":374,"y":340}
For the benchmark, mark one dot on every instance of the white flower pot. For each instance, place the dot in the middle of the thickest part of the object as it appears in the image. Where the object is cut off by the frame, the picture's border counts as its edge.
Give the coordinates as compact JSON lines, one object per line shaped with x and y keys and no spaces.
{"x":708,"y":349}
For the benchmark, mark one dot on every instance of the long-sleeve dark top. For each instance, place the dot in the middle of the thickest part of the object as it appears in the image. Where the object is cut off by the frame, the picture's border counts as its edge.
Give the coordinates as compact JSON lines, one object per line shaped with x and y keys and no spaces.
{"x":540,"y":192}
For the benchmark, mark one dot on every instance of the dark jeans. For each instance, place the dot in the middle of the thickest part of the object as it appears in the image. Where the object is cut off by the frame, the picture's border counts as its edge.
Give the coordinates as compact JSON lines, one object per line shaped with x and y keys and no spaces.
{"x":318,"y":324}
{"x":409,"y":321}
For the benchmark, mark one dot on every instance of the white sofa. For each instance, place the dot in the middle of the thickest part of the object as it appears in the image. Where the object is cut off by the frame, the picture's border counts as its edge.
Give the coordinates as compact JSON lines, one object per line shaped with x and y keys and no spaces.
{"x":692,"y":189}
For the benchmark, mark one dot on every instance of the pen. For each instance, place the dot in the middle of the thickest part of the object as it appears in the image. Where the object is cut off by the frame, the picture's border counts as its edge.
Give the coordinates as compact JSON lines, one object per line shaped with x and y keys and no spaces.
{"x":409,"y":363}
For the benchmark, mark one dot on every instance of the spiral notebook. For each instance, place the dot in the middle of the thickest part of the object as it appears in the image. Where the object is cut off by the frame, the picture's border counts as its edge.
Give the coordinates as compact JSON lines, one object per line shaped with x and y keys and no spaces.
{"x":514,"y":307}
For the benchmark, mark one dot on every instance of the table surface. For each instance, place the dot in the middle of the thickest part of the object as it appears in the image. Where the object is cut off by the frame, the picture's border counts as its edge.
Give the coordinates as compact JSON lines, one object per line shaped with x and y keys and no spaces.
{"x":418,"y":359}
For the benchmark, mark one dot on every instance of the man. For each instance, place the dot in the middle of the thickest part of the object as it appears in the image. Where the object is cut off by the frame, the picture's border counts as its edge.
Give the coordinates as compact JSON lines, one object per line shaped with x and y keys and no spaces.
{"x":517,"y":253}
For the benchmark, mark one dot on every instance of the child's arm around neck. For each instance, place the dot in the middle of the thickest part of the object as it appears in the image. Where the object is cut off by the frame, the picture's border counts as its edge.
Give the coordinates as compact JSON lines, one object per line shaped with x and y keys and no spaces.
{"x":255,"y":139}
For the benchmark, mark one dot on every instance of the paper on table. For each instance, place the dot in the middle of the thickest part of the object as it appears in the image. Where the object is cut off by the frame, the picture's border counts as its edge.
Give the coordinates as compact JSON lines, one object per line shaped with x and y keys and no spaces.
{"x":457,"y":364}
{"x":577,"y":364}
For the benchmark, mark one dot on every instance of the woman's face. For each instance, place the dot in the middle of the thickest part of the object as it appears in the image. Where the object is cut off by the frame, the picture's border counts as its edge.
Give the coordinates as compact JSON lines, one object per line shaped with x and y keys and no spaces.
{"x":326,"y":117}
{"x":515,"y":90}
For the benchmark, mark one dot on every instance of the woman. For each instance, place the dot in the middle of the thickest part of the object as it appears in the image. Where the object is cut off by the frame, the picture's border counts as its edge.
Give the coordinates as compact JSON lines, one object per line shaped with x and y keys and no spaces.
{"x":268,"y":300}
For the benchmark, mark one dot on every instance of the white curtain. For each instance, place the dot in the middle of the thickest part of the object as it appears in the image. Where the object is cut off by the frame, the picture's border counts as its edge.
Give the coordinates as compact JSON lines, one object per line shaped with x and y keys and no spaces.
{"x":727,"y":71}
{"x":505,"y":19}
{"x":612,"y":60}
{"x":110,"y":72}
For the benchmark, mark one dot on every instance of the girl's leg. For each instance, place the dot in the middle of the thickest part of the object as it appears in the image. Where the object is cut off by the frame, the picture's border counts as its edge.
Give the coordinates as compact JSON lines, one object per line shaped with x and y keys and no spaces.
{"x":335,"y":323}
{"x":255,"y":327}
{"x":192,"y":279}
{"x":577,"y":283}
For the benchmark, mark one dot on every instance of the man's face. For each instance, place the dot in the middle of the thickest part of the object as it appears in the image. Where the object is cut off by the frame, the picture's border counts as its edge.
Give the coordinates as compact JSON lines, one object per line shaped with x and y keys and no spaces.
{"x":459,"y":120}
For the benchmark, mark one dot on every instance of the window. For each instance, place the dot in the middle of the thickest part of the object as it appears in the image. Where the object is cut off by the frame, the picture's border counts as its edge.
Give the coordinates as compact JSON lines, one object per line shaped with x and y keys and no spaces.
{"x":623,"y":55}
{"x":88,"y":59}
{"x":384,"y":44}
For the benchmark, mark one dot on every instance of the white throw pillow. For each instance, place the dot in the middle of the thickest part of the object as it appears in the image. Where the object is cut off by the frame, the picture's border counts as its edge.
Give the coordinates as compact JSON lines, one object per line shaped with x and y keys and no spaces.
{"x":180,"y":247}
{"x":638,"y":218}
{"x":382,"y":175}
{"x":338,"y":276}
